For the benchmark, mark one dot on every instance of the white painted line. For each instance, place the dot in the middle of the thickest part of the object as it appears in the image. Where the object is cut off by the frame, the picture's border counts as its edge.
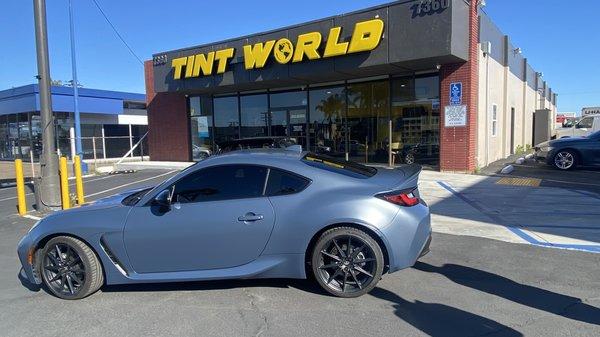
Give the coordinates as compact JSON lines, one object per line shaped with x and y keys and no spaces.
{"x":33,"y":217}
{"x":128,"y":184}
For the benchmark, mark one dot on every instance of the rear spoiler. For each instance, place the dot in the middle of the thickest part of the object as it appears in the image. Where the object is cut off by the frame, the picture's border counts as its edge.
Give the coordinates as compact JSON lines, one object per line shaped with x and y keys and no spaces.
{"x":411,"y":175}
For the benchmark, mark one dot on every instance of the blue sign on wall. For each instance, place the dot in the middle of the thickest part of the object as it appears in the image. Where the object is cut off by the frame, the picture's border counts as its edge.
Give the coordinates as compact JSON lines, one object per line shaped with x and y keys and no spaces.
{"x":456,"y":93}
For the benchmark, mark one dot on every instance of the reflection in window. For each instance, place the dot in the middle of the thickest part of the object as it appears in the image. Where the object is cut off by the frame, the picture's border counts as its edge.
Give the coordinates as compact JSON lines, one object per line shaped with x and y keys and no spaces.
{"x":200,"y":127}
{"x":416,"y":120}
{"x":226,"y":119}
{"x":327,"y":109}
{"x":254,"y":111}
{"x":368,"y":116}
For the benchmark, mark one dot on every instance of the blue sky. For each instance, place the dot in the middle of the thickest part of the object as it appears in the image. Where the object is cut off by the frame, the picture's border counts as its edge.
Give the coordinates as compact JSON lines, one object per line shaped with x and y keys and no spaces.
{"x":558,"y":37}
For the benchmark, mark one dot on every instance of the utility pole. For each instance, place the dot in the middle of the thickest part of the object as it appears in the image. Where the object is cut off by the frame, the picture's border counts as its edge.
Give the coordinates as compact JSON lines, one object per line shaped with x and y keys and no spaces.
{"x":78,"y":147}
{"x":47,"y":194}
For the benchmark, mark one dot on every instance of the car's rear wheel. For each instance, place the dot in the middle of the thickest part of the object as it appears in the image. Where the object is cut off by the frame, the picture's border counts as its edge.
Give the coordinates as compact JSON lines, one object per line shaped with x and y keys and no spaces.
{"x":565,"y":160}
{"x":347,"y":262}
{"x":70,"y":269}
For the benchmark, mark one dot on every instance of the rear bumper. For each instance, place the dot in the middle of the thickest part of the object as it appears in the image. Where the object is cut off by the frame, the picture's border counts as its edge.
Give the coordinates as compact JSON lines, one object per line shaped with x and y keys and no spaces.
{"x":426,"y":249}
{"x":408,"y":237}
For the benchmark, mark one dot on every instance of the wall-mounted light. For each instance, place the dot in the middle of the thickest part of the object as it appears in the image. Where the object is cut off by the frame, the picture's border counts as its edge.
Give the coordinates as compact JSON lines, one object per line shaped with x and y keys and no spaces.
{"x":517,"y":51}
{"x":481,"y":3}
{"x":438,"y":66}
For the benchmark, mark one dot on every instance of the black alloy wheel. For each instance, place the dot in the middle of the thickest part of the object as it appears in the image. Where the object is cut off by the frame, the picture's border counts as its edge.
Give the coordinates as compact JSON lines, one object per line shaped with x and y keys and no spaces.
{"x":70,"y":269}
{"x":347,"y":262}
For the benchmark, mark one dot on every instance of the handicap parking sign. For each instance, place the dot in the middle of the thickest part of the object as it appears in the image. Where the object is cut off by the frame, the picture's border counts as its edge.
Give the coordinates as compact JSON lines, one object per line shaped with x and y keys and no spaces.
{"x":456,"y":93}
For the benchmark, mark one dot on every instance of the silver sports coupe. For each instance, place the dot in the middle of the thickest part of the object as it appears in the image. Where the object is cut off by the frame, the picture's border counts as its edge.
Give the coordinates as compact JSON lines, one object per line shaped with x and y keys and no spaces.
{"x":267,"y":213}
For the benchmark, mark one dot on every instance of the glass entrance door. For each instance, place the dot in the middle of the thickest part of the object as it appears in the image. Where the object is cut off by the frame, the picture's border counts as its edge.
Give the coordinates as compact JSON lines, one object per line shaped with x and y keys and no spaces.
{"x":287,"y":116}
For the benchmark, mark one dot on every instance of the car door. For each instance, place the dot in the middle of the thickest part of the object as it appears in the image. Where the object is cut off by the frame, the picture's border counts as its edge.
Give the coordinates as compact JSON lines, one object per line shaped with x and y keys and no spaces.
{"x":218,"y":218}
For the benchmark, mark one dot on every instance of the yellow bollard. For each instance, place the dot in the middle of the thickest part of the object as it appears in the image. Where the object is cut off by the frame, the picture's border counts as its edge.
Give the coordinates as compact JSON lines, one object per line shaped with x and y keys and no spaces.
{"x":79,"y":181}
{"x":64,"y":183}
{"x":21,"y":205}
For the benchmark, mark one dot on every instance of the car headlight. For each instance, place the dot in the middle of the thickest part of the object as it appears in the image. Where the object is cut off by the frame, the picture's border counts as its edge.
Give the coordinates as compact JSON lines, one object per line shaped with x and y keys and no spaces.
{"x":549,"y":148}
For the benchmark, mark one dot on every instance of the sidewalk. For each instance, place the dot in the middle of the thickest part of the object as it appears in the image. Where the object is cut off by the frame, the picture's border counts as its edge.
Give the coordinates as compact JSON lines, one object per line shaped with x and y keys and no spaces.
{"x":479,"y":206}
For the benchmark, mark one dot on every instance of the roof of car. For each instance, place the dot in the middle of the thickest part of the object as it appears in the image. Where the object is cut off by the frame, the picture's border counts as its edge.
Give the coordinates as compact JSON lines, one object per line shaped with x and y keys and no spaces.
{"x":277,"y":153}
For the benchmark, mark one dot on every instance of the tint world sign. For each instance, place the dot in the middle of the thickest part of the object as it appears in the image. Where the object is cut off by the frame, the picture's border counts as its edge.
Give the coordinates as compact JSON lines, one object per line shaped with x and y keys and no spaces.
{"x":365,"y":37}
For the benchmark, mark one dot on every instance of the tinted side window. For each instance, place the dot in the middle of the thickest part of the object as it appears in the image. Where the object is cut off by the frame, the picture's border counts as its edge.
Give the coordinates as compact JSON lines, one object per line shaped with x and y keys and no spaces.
{"x":281,"y":183}
{"x":221,"y":183}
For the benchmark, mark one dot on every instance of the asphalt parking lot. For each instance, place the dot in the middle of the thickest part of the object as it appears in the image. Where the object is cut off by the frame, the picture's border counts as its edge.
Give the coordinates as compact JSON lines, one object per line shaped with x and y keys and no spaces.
{"x":469,"y":285}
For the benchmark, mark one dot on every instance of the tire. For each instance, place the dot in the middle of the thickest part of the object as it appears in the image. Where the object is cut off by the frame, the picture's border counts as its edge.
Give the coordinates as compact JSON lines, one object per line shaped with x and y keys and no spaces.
{"x":342,"y":274}
{"x":565,"y":160}
{"x":73,"y":274}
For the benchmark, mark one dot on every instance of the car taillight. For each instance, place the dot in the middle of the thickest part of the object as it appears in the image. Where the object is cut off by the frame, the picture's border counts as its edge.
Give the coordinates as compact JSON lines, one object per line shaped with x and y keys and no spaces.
{"x":402,"y":198}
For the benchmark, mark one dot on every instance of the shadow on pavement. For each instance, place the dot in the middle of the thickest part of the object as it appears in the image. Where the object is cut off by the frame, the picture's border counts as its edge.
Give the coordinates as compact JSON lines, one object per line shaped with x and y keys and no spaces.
{"x":436,"y":319}
{"x":304,"y":285}
{"x":26,"y":283}
{"x":541,"y":299}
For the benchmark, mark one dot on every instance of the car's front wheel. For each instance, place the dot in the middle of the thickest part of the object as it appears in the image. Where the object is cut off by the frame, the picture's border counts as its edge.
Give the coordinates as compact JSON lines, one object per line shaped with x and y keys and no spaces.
{"x":69,"y":268}
{"x":565,"y":160}
{"x":347,"y":262}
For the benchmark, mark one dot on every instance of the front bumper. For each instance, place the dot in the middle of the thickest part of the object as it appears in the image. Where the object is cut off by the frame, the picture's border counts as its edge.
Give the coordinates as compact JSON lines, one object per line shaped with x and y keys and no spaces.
{"x":24,"y":249}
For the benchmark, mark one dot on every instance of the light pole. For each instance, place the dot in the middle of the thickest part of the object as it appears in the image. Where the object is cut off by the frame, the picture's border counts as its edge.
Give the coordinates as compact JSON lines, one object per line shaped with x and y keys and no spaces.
{"x":78,"y":147}
{"x":47,"y":193}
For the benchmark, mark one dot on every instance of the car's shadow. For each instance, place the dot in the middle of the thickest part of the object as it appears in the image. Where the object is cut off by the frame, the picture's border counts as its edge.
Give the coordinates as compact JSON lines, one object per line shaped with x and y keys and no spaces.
{"x":303,"y":285}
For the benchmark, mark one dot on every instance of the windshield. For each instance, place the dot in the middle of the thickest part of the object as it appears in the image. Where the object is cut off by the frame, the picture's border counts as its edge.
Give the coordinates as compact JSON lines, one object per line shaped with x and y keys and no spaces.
{"x":348,"y":168}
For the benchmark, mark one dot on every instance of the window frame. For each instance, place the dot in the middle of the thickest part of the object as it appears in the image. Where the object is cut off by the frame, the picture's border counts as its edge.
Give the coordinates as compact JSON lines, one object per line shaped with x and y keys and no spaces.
{"x":494,"y":120}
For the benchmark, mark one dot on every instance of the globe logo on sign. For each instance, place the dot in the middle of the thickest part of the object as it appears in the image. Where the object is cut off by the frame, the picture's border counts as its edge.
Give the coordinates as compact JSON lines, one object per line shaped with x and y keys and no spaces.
{"x":283,"y":51}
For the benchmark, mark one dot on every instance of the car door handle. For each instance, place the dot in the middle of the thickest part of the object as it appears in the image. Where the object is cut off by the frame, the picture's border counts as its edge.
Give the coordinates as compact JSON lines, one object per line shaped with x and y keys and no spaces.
{"x":249,"y":217}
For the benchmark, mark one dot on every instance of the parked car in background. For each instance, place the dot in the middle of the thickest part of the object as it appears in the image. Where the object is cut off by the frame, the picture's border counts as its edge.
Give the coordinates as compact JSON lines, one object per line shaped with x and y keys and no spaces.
{"x":571,"y":152}
{"x":263,"y":213}
{"x":200,"y":152}
{"x":256,"y":143}
{"x":419,"y":153}
{"x":584,"y":127}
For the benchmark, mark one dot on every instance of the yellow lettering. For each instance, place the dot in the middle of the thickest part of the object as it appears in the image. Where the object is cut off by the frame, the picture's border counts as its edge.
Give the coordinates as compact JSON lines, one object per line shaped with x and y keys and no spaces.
{"x":333,"y":46}
{"x":307,"y":45}
{"x":178,"y":64}
{"x":366,"y":36}
{"x":189,"y":66}
{"x":223,"y":56}
{"x":284,"y":50}
{"x":205,"y":63}
{"x":256,"y":56}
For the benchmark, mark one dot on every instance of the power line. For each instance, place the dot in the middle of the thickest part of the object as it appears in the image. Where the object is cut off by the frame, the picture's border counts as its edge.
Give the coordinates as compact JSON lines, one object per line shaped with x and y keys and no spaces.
{"x":117,"y":32}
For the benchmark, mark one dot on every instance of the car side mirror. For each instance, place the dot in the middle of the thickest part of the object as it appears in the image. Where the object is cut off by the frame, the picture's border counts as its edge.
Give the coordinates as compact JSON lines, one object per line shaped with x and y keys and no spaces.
{"x":163,"y":199}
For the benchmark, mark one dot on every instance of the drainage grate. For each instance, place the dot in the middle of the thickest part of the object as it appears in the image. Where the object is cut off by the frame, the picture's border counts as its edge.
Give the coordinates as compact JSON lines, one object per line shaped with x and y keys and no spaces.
{"x":531,"y":182}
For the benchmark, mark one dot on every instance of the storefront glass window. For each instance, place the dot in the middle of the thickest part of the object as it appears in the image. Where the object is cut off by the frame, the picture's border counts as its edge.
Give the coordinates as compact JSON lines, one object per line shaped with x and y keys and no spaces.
{"x":254,"y":115}
{"x":288,"y":115}
{"x":4,"y":139}
{"x":367,"y":121}
{"x":416,"y":122}
{"x":36,"y":135}
{"x":63,"y":124}
{"x":226,"y":119}
{"x":327,"y":110}
{"x":201,"y":127}
{"x":24,"y":142}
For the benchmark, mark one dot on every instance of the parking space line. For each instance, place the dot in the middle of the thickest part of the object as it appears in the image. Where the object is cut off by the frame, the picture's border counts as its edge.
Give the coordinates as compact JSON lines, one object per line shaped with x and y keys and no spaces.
{"x":33,"y":217}
{"x":520,"y":232}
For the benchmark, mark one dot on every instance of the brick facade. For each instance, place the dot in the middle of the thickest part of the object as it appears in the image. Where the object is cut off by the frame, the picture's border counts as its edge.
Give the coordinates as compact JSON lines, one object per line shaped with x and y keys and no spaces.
{"x":169,"y":131}
{"x":458,"y":145}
